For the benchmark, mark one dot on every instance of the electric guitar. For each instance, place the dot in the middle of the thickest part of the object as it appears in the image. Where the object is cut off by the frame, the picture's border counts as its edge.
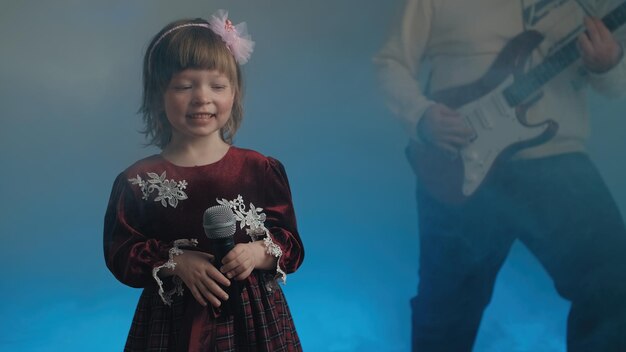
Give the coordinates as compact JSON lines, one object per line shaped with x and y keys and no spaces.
{"x":494,"y":107}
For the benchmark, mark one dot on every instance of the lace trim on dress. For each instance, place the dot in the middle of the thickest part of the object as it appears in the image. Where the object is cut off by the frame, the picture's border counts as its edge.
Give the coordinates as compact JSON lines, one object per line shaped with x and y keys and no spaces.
{"x":253,"y":218}
{"x":274,"y":250}
{"x":170,"y":264}
{"x":169,"y":191}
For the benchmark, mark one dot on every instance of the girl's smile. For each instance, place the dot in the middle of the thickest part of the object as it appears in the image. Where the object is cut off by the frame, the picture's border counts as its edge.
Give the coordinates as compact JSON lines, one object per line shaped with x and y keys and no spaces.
{"x":201,"y":115}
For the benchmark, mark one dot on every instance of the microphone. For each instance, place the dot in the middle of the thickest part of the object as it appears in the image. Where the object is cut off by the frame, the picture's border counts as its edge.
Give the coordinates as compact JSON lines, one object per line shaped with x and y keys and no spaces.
{"x":219,"y":226}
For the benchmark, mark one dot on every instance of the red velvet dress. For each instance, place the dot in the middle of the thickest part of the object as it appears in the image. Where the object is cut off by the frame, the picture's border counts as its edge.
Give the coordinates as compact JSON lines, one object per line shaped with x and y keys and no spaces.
{"x":155,"y":203}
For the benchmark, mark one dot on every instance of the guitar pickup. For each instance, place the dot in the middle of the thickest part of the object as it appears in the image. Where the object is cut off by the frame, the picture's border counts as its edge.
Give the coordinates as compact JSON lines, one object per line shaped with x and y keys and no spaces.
{"x":470,"y":124}
{"x":502,"y":109}
{"x":484,"y":120}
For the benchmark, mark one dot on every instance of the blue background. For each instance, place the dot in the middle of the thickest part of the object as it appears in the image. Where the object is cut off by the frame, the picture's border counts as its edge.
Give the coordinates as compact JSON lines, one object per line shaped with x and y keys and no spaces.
{"x":69,"y":90}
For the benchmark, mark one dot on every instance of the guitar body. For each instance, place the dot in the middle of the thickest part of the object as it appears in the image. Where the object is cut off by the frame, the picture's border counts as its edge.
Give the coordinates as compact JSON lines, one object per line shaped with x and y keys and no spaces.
{"x":500,"y":129}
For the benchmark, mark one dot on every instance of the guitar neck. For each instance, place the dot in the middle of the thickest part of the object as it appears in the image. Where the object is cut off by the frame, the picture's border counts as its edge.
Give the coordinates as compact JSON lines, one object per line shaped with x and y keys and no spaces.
{"x":525,"y":86}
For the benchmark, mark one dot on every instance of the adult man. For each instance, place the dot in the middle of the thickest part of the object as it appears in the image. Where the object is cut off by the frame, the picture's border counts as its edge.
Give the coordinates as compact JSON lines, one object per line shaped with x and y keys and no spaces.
{"x":548,"y":195}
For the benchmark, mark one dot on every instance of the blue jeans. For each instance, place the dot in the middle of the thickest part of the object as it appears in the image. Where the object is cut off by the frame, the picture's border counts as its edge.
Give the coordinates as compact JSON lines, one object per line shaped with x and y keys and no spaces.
{"x":560,"y":209}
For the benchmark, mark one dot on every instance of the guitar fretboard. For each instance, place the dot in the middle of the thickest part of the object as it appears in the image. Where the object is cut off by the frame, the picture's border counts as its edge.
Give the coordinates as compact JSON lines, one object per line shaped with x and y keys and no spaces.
{"x":526,"y":85}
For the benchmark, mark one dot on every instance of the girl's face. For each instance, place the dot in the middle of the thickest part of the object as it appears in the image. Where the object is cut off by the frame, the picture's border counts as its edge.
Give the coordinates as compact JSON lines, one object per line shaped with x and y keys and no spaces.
{"x":198,"y":103}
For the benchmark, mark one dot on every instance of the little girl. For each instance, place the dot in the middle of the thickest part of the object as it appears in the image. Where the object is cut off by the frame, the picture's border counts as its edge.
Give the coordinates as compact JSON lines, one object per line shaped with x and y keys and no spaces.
{"x":153,"y":231}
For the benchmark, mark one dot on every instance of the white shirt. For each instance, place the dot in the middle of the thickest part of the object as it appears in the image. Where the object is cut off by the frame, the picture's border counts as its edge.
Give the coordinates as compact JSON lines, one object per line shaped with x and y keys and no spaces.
{"x":459,"y":40}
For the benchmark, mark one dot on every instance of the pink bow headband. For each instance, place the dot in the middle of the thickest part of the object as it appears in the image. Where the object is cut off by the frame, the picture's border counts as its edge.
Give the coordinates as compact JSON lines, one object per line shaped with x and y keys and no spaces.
{"x":237,"y":39}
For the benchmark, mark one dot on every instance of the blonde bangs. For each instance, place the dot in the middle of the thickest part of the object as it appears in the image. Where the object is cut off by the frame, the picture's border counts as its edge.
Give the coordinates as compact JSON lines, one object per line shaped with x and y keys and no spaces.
{"x":198,"y":47}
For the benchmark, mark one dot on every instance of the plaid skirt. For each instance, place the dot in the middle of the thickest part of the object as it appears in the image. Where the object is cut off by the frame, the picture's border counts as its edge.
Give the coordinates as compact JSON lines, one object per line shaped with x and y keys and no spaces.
{"x":262,"y":322}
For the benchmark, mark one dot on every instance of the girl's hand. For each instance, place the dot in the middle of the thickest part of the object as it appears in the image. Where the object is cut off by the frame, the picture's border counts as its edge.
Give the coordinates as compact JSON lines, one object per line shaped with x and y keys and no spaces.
{"x":242,"y":259}
{"x":201,"y":277}
{"x":599,"y":49}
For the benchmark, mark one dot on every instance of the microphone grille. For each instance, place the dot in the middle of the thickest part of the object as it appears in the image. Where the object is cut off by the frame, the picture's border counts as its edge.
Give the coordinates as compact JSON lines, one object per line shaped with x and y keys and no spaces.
{"x":219,"y":222}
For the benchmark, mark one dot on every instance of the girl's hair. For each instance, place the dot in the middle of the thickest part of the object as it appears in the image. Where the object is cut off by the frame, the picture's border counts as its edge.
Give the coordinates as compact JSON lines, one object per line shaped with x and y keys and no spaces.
{"x":186,"y":47}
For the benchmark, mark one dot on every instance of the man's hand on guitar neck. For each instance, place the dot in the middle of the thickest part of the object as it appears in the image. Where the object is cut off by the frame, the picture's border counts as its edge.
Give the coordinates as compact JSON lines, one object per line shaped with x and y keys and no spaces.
{"x":444,"y":128}
{"x":599,"y":49}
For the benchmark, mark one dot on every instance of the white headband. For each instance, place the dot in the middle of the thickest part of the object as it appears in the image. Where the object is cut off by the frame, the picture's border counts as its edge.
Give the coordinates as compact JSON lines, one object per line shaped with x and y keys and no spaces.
{"x":237,"y":39}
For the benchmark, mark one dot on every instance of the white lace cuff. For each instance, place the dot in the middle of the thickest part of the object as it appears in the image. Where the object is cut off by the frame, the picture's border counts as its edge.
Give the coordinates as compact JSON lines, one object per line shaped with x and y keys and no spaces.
{"x":274,"y":250}
{"x":170,"y":264}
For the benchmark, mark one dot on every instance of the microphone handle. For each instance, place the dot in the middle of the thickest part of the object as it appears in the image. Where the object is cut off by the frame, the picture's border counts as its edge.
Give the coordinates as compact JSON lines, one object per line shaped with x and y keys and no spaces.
{"x":221,"y":247}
